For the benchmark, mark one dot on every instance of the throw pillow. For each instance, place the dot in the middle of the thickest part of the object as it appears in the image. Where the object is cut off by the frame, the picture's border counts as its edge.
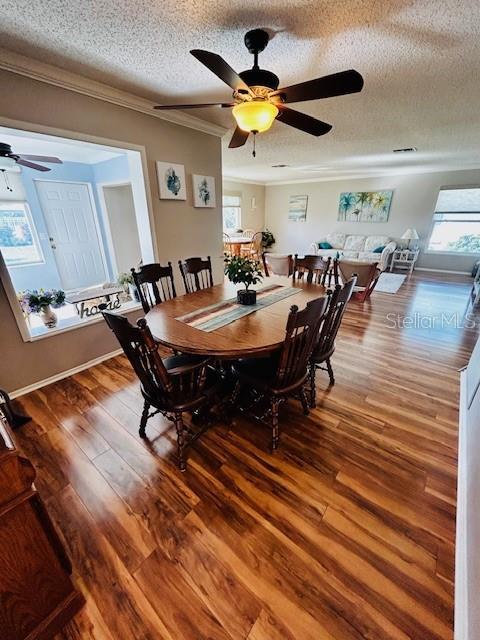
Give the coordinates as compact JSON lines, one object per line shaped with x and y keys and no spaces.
{"x":324,"y":245}
{"x":378,"y":250}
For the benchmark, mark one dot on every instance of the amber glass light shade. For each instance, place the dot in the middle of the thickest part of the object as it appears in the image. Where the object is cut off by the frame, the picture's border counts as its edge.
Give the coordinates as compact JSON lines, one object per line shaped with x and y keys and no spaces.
{"x":257,"y":115}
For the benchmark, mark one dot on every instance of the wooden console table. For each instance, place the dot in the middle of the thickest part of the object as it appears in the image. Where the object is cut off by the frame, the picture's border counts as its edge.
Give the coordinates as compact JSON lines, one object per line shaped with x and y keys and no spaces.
{"x":37,"y":597}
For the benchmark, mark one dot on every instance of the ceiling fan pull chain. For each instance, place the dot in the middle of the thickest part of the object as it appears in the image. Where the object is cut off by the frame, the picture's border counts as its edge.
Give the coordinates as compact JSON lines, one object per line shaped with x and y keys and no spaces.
{"x":254,"y":153}
{"x":7,"y":183}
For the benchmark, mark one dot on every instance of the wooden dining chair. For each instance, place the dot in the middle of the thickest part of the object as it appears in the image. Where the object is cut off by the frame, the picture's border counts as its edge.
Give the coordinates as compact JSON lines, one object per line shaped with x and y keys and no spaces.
{"x":367,"y":274}
{"x":154,"y":284}
{"x":227,"y":244}
{"x":315,"y":267}
{"x":254,"y":248}
{"x":277,"y":377}
{"x":196,"y":274}
{"x":172,"y":386}
{"x":325,"y":345}
{"x":277,"y":264}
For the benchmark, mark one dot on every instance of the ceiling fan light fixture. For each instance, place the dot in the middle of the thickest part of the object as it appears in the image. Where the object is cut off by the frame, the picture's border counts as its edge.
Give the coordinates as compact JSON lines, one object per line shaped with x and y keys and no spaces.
{"x":255,"y":115}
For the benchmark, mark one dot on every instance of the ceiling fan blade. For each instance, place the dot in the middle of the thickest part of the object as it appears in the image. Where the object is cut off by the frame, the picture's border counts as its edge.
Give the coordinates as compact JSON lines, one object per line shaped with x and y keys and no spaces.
{"x":51,"y":159}
{"x":32,"y":165}
{"x":337,"y":84}
{"x":239,"y":138}
{"x":223,"y":105}
{"x":302,"y":121}
{"x":220,"y":68}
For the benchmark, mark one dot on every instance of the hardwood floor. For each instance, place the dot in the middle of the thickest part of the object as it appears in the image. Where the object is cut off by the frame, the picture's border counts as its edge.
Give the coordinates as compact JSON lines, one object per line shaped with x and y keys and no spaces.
{"x":346,"y":532}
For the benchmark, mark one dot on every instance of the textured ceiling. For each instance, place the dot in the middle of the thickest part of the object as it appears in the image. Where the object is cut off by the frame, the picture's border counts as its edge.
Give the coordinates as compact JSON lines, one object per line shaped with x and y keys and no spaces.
{"x":420,"y":60}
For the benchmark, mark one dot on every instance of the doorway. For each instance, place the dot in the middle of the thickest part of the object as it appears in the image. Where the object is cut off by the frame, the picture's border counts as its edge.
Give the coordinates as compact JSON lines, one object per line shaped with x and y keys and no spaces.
{"x":120,"y":222}
{"x":74,"y":235}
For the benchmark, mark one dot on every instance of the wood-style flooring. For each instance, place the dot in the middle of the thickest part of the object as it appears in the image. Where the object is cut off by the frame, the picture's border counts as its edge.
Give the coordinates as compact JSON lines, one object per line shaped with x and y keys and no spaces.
{"x":347,"y":532}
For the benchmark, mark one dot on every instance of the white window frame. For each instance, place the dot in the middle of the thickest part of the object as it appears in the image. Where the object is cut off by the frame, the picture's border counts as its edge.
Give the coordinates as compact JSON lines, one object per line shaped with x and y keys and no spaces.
{"x":11,"y":204}
{"x":432,"y":226}
{"x":239,"y":216}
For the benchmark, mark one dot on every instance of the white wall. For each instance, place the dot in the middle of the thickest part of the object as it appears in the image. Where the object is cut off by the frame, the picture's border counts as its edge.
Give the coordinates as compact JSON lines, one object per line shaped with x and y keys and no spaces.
{"x":413,"y":203}
{"x":253,"y":211}
{"x":120,"y":210}
{"x":467,"y":559}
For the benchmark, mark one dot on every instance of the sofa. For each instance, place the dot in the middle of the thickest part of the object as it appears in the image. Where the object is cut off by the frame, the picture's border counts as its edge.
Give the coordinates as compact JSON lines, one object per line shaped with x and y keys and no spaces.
{"x":353,"y":247}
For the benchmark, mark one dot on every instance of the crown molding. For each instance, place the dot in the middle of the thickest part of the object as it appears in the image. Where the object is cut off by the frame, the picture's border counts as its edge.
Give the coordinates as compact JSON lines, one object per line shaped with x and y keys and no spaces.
{"x":376,"y":176}
{"x":226,"y":178}
{"x":37,"y":70}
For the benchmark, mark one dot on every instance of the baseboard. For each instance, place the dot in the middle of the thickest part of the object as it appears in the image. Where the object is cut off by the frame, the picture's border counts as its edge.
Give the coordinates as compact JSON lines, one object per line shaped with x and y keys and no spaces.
{"x":64,"y":374}
{"x":460,"y":273}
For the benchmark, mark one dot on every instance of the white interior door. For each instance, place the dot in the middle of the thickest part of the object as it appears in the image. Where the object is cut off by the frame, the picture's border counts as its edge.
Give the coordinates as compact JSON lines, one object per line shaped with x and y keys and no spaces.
{"x":70,"y":219}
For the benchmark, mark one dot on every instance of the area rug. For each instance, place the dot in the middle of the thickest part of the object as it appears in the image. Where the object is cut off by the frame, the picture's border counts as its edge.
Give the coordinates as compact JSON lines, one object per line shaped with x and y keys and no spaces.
{"x":220,"y":314}
{"x":389,"y":282}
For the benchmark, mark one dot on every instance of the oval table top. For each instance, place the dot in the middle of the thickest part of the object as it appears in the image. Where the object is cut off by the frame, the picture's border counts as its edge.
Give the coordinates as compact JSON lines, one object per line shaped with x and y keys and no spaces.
{"x":258,"y":333}
{"x":238,"y":240}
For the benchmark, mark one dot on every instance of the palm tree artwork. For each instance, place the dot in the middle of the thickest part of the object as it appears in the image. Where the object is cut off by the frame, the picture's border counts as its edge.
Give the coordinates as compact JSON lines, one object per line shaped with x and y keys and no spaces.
{"x":364,"y":206}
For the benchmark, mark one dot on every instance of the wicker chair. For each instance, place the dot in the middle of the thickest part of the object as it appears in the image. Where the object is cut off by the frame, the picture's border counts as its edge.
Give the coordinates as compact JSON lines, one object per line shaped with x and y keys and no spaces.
{"x":284,"y":374}
{"x":325,"y":346}
{"x":172,"y":386}
{"x":196,"y":274}
{"x":154,"y":284}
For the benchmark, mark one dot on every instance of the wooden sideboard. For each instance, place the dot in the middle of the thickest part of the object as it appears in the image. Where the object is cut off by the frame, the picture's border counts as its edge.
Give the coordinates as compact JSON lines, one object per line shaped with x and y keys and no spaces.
{"x":37,"y":596}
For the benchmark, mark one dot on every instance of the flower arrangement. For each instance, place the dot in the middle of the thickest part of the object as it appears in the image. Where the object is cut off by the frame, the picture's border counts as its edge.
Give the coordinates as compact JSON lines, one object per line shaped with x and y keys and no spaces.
{"x":245,"y":271}
{"x":37,"y":300}
{"x":125,"y":278}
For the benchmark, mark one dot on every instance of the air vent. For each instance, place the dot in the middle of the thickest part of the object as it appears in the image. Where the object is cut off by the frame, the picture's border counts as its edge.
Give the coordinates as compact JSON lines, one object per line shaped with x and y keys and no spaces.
{"x":406,"y":150}
{"x":279,"y":166}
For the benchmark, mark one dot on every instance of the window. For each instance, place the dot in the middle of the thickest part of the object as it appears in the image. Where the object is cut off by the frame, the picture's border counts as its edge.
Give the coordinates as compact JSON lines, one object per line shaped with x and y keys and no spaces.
{"x":232,"y":213}
{"x":456,"y":222}
{"x":18,"y":237}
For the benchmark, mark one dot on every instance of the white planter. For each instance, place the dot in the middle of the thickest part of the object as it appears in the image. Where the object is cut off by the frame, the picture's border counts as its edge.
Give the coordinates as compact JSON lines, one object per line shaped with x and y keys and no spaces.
{"x":48,"y":317}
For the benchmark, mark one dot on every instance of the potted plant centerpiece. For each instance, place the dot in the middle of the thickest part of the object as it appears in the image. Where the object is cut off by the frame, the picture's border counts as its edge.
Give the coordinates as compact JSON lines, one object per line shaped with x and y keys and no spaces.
{"x":245,"y":271}
{"x":41,"y":302}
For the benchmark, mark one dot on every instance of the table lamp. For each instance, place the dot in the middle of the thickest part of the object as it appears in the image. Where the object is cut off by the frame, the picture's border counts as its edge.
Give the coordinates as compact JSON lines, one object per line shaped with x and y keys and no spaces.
{"x":410,"y":234}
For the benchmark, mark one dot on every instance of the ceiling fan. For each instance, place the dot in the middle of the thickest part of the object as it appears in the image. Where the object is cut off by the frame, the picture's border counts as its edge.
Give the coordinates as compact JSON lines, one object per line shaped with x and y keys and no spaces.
{"x":8,"y":159}
{"x":257,"y":100}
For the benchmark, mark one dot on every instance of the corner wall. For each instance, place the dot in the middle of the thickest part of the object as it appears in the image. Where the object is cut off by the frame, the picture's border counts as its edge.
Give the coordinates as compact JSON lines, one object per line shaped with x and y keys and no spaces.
{"x":252,"y":217}
{"x":413,"y":204}
{"x":181,"y":230}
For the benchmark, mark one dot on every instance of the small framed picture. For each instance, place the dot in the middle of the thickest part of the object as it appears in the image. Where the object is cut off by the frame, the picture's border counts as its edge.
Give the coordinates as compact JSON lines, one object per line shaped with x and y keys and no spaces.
{"x":171,"y":181}
{"x":203,"y":191}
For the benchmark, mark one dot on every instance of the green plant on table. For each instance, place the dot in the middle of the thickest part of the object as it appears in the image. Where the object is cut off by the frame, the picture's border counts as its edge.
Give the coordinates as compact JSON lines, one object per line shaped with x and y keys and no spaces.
{"x":241,"y":270}
{"x":267,"y":239}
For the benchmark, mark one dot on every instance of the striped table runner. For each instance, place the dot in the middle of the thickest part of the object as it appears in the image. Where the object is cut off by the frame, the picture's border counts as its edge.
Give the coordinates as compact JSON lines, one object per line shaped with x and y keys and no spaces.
{"x":222,"y":313}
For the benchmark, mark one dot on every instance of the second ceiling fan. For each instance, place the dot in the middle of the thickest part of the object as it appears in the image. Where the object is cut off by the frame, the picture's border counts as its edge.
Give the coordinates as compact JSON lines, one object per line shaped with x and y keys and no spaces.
{"x":257,"y":100}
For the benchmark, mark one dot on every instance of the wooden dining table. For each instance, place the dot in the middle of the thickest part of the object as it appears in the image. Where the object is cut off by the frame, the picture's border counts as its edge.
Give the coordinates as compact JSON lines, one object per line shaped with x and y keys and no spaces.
{"x":258,"y":333}
{"x":237,"y":242}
